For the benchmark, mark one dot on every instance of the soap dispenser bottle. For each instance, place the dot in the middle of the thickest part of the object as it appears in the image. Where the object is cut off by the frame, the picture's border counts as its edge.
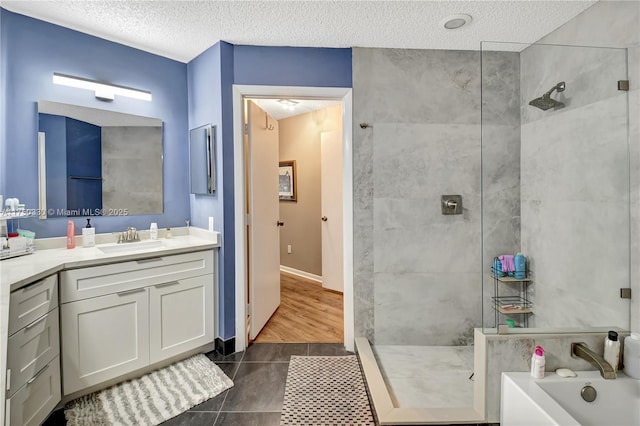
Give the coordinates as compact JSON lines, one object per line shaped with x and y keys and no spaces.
{"x":88,"y":235}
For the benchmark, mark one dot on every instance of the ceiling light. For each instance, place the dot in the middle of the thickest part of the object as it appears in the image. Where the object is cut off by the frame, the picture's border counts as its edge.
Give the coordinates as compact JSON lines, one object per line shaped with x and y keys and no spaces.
{"x":455,"y":21}
{"x":288,"y":103}
{"x":103,"y":91}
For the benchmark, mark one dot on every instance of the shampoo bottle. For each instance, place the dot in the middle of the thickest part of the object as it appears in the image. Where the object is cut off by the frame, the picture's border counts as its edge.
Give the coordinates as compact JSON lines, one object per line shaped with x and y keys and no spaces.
{"x":537,"y":363}
{"x":612,"y":350}
{"x":88,"y":235}
{"x":71,"y":237}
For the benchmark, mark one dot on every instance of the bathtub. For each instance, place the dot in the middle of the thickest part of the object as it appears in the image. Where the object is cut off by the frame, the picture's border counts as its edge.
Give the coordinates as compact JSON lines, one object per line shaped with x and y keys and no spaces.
{"x":554,"y":400}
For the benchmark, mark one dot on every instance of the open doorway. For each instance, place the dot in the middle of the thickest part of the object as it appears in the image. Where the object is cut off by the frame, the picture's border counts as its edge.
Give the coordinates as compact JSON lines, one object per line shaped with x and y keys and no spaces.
{"x":242,"y":197}
{"x":293,"y":152}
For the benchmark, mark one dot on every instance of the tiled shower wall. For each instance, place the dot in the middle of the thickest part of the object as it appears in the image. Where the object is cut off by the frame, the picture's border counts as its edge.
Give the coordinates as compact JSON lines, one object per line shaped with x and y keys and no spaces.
{"x":417,"y":273}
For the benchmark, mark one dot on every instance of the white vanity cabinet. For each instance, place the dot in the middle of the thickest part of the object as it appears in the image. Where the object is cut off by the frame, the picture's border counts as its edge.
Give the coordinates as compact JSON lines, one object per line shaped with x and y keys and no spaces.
{"x":33,"y":353}
{"x":123,"y":317}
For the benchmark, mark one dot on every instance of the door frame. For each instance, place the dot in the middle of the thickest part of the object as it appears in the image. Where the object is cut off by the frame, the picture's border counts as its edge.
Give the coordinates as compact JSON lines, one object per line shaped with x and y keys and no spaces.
{"x":343,"y":94}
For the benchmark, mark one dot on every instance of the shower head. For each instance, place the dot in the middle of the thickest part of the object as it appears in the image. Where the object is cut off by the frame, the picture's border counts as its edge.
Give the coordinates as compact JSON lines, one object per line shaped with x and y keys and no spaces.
{"x":545,"y":102}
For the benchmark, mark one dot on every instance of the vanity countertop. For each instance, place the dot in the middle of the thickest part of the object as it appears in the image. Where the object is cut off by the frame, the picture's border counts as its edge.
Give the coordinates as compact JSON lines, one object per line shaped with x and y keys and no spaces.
{"x":20,"y":271}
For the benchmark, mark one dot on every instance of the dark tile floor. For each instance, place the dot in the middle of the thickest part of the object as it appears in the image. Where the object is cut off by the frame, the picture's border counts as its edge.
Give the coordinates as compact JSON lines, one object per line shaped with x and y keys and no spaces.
{"x":259,"y":375}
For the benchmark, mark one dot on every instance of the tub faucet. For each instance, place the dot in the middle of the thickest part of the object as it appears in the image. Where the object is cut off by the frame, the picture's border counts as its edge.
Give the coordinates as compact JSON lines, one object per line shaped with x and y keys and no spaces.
{"x":581,"y":350}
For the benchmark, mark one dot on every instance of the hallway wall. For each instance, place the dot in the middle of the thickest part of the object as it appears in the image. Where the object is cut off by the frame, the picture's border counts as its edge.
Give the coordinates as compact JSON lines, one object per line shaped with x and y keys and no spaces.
{"x":300,"y":141}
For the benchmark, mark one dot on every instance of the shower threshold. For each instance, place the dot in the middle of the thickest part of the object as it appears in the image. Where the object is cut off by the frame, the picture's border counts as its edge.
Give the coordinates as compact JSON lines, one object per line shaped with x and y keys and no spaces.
{"x":392,"y":400}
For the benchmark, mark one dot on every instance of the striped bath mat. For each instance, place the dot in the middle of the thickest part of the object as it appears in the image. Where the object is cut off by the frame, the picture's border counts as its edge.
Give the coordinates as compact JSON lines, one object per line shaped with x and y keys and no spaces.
{"x":152,"y":398}
{"x":325,"y":390}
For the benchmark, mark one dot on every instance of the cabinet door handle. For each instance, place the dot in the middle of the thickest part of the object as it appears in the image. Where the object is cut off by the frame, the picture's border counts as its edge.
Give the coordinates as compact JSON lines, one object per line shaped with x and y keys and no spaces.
{"x":135,"y":290}
{"x":39,"y":320}
{"x":33,"y":379}
{"x":167,"y":284}
{"x":153,"y":259}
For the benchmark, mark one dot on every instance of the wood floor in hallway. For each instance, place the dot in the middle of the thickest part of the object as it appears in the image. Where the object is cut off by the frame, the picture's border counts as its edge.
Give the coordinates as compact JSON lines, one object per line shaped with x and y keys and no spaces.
{"x":307,"y":314}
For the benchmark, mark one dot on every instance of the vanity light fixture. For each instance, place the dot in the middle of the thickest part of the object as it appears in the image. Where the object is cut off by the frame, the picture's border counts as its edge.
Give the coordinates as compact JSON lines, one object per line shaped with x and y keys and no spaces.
{"x":103,"y":91}
{"x":455,"y":21}
{"x":288,"y":103}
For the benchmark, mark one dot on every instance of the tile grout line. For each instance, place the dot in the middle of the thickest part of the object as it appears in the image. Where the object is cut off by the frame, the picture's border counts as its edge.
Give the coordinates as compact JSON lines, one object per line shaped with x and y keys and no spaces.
{"x":235,"y":372}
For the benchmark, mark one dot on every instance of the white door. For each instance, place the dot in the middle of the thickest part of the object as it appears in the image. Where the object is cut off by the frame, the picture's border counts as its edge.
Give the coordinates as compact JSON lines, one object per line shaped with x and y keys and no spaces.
{"x":264,"y":211}
{"x":331,"y":207}
{"x":180,"y":316}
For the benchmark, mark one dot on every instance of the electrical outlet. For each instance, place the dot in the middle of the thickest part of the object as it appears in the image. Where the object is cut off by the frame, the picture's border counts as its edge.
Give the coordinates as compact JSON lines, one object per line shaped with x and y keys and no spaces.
{"x":289,"y":249}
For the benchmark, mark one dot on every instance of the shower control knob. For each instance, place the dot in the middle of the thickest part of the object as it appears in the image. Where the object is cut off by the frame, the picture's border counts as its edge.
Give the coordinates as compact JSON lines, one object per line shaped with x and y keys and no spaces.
{"x":451,"y":204}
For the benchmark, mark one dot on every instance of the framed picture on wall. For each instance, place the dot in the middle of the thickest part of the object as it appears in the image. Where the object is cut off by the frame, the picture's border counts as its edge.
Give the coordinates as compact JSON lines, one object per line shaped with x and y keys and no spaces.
{"x":288,"y":186}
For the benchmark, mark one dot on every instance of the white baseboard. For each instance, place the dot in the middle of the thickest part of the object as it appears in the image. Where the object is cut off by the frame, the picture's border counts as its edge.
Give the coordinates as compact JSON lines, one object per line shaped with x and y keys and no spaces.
{"x":303,"y":274}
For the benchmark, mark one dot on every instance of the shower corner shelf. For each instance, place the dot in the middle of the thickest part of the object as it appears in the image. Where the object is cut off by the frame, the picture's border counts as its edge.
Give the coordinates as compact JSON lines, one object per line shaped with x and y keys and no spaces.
{"x":510,"y":279}
{"x":513,"y":304}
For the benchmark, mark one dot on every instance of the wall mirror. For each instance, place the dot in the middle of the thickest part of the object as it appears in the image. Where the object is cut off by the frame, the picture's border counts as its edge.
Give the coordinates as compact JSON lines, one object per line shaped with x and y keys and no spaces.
{"x":202,"y":164}
{"x":98,"y":162}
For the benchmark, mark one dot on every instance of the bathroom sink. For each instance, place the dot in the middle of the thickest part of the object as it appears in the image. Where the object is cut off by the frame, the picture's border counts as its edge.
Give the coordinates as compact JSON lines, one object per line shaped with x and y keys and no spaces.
{"x":554,"y":400}
{"x":127,"y":247}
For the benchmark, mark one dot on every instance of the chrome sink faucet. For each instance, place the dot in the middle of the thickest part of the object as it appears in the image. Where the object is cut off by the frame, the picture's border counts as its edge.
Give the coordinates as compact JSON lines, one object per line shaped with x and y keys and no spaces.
{"x":581,"y":350}
{"x":128,"y":236}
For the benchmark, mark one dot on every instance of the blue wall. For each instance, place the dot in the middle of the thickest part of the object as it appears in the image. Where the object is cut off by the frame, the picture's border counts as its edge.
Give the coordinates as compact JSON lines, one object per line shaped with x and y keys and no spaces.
{"x":205,"y":93}
{"x":292,"y":66}
{"x":227,"y":185}
{"x":32,"y":51}
{"x":3,"y":96}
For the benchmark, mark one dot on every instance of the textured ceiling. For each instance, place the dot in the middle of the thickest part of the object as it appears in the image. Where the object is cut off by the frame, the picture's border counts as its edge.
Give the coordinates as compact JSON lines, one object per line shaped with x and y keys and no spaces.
{"x":182,"y":30}
{"x":279,"y":111}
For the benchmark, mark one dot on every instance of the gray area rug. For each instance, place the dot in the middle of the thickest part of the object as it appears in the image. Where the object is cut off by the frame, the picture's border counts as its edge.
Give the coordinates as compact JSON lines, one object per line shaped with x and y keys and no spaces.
{"x":152,"y":398}
{"x":325,"y":390}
